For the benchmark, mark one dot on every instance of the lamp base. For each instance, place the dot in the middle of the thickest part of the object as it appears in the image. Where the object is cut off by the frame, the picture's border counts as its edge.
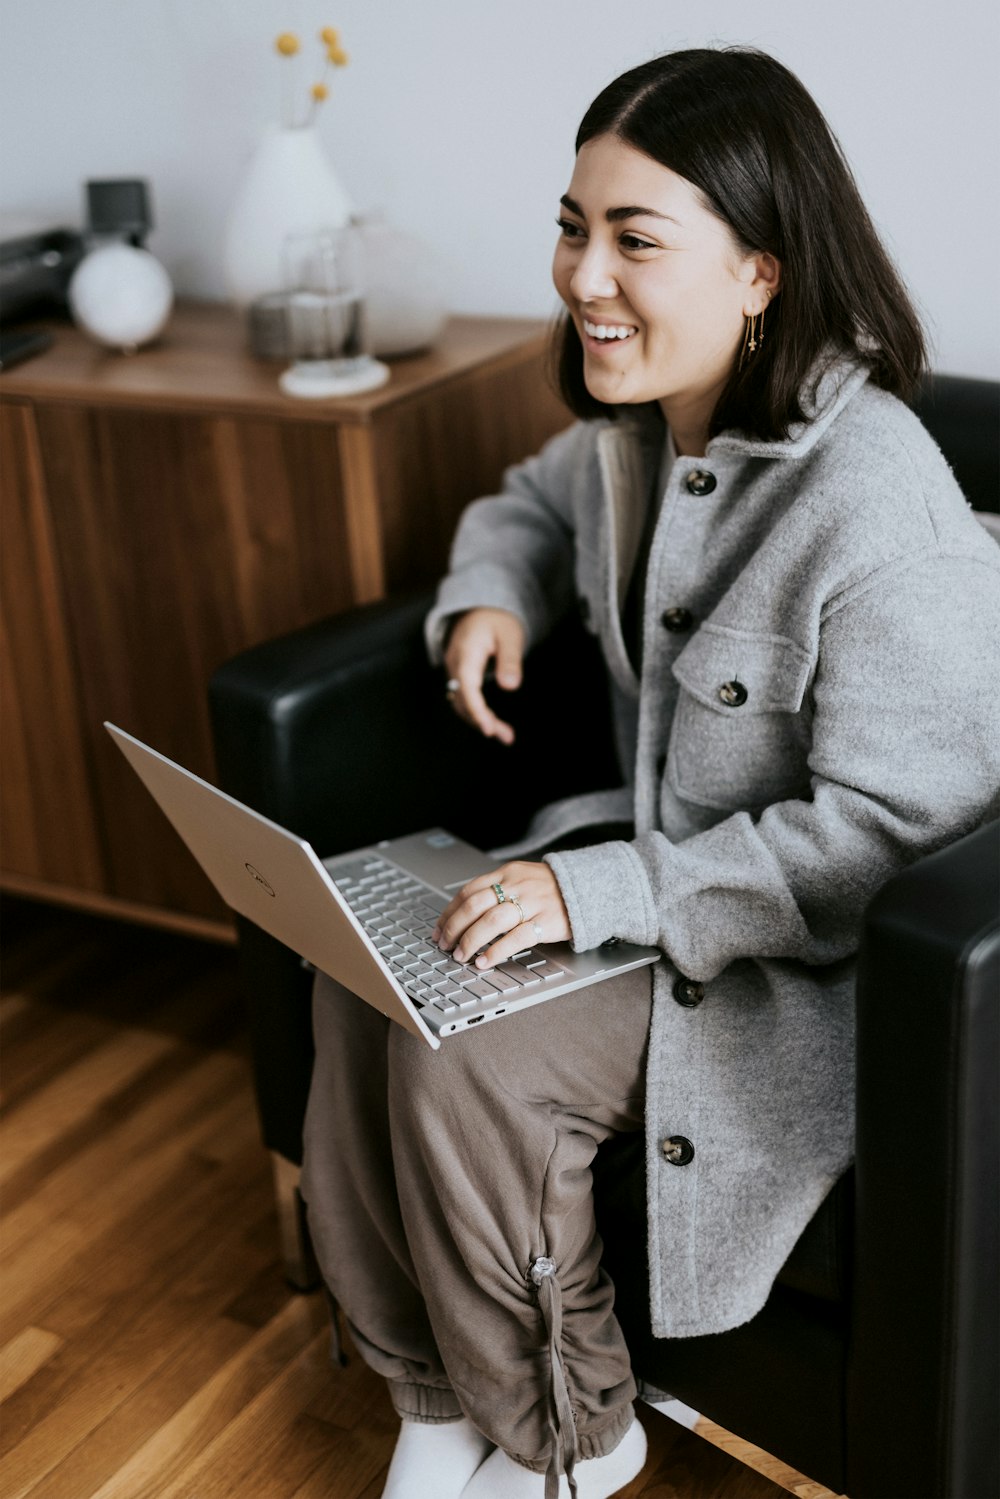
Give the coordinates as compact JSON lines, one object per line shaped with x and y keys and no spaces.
{"x":314,"y":379}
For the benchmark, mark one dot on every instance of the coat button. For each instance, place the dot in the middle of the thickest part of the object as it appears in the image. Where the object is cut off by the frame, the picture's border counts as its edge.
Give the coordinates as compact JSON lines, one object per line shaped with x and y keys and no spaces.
{"x":700,"y":481}
{"x":689,"y":992}
{"x":676,"y":619}
{"x":733,"y":694}
{"x":677,"y":1150}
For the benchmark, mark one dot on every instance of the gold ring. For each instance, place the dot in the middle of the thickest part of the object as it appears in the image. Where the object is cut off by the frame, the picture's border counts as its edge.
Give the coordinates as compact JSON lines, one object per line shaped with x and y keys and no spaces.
{"x":498,"y":891}
{"x":520,"y":909}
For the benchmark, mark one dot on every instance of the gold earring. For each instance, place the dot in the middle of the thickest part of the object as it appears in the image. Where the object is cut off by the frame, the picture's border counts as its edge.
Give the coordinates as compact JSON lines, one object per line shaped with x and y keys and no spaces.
{"x":749,"y":339}
{"x":753,"y":334}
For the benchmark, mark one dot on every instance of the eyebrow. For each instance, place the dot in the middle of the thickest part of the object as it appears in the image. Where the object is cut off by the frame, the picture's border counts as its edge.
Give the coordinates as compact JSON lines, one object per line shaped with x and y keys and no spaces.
{"x":615,"y":215}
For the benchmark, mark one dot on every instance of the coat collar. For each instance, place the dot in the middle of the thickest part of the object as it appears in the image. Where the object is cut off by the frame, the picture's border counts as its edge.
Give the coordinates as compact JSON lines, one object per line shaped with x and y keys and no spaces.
{"x":832,"y":382}
{"x":629,"y":454}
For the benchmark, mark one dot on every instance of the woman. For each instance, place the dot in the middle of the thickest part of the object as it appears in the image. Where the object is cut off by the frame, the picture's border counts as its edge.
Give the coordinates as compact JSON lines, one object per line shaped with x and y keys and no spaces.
{"x":797,"y":611}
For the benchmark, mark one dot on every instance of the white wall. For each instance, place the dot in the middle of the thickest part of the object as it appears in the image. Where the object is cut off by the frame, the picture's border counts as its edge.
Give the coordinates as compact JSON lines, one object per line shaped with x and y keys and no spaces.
{"x":457,"y":118}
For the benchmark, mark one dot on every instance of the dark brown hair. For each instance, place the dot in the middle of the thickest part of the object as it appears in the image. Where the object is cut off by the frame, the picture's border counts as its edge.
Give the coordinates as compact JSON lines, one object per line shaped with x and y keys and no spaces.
{"x":742,"y":129}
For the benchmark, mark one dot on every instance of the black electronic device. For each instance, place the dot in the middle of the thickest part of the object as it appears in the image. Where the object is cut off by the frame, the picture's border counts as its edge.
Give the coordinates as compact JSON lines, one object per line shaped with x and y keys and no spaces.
{"x":35,"y":270}
{"x":21,"y":344}
{"x":120,"y":207}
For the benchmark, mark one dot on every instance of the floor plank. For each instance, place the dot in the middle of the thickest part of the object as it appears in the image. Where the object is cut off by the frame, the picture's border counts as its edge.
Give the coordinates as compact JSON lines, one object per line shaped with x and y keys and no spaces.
{"x":150,"y":1348}
{"x":184,"y":1407}
{"x":23,"y":1356}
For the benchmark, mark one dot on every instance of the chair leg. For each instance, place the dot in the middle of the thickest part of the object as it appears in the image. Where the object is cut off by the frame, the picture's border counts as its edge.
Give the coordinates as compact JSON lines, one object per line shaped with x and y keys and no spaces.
{"x":301,"y":1269}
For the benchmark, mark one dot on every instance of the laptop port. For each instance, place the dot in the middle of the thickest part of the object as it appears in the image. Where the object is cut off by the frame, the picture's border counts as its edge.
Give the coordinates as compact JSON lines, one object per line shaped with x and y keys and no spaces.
{"x":501,"y":1011}
{"x":475,"y":1019}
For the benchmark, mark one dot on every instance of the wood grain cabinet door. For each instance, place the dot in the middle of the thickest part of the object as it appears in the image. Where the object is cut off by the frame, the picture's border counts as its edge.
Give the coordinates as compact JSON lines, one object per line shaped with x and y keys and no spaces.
{"x":47,"y":823}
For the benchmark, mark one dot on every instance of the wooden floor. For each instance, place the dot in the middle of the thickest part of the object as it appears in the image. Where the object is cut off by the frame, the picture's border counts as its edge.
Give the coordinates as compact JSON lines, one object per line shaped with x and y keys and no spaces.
{"x":150,"y":1348}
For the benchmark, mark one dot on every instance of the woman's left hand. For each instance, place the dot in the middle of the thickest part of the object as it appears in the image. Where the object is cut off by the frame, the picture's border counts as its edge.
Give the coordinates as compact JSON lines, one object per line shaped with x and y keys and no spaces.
{"x":476,"y":917}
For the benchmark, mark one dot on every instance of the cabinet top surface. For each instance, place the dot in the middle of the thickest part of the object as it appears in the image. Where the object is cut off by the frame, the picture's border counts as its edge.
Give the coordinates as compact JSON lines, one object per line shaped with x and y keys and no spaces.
{"x":202,"y":361}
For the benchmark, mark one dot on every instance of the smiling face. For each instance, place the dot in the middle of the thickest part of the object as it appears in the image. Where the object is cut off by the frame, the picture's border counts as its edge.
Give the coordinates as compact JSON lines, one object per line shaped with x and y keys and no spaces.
{"x":656,"y":285}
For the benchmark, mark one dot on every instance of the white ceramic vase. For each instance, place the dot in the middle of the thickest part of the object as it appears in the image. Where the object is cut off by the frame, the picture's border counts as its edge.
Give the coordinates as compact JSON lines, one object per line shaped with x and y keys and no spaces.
{"x":405,"y":288}
{"x":290,"y":188}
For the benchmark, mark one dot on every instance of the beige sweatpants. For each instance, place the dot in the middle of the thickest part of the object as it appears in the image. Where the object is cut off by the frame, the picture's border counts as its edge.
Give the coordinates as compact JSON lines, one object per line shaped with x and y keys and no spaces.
{"x":449,"y":1200}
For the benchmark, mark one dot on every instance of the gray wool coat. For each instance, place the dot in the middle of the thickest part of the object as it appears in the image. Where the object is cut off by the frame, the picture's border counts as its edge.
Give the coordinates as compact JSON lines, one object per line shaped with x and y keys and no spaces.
{"x":841,"y":579}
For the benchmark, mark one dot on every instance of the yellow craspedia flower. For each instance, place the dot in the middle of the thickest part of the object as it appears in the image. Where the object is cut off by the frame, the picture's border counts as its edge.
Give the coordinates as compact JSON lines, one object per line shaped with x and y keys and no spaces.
{"x":320,"y":91}
{"x":338,"y":57}
{"x":287,"y":44}
{"x":330,"y":36}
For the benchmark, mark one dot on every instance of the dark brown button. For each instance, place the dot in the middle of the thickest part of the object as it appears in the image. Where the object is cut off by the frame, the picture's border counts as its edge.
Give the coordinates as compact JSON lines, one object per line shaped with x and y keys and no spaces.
{"x":700,"y":481}
{"x":733,"y":694}
{"x":677,"y":619}
{"x":677,"y":1150}
{"x":688,"y":992}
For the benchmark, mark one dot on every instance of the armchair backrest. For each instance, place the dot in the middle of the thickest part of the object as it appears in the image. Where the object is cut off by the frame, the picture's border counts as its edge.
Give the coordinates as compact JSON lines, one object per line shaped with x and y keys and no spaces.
{"x":963,"y":417}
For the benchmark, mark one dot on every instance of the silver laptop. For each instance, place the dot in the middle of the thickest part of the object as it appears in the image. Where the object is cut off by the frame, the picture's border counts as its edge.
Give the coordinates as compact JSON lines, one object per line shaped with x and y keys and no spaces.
{"x":365,"y":917}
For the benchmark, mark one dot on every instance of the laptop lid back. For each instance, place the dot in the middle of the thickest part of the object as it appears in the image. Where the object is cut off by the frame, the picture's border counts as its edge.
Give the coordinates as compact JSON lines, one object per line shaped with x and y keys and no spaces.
{"x":271,"y":877}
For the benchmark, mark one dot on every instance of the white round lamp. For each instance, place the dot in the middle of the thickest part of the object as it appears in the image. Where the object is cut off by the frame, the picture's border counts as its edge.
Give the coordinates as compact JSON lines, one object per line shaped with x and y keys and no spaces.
{"x":121,"y":296}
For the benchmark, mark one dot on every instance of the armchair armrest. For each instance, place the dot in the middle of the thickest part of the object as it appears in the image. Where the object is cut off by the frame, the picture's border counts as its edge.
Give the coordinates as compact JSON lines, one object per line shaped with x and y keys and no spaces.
{"x":314,"y":728}
{"x":926,"y":1312}
{"x":341,"y":732}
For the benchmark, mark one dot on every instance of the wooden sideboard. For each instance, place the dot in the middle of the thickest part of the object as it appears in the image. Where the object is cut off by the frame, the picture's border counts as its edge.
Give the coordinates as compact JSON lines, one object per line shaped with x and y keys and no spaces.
{"x":164,"y":510}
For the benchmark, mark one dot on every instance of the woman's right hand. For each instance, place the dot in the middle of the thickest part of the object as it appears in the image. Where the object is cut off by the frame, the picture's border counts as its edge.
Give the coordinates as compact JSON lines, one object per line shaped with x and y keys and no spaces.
{"x":476,"y":638}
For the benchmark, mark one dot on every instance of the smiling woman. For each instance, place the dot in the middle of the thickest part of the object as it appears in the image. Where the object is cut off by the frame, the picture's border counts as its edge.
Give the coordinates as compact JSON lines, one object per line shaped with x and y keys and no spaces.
{"x":796,"y":610}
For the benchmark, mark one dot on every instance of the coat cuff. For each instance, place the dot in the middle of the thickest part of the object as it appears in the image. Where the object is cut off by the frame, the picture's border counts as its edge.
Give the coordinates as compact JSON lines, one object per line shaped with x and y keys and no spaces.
{"x":483,"y":587}
{"x":607,"y":894}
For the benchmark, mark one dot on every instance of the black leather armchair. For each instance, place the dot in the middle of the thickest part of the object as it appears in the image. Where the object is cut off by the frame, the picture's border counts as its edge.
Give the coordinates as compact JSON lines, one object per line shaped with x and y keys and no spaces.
{"x":875,"y":1366}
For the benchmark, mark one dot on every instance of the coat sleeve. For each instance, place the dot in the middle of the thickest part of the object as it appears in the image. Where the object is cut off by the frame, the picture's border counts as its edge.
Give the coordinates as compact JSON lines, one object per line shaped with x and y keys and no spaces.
{"x":905,"y":758}
{"x":515,"y":550}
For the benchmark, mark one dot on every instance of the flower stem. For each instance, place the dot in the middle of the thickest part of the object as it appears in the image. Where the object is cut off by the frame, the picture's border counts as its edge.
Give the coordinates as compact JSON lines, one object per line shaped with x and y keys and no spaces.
{"x":287,"y":107}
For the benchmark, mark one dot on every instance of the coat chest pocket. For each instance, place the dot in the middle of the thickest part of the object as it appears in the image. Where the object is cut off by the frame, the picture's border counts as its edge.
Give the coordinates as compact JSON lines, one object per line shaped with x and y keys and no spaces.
{"x":741,"y":734}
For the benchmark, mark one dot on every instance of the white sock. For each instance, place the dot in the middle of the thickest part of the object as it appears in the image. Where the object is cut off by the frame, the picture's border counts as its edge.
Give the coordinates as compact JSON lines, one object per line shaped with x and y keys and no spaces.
{"x":500,"y":1477}
{"x":677,"y":1411}
{"x":434,"y":1459}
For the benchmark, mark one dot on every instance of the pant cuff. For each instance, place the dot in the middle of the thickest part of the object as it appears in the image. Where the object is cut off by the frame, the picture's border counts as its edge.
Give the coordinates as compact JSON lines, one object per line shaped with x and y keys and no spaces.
{"x":600,"y":1443}
{"x":590,"y":1443}
{"x":422,"y":1402}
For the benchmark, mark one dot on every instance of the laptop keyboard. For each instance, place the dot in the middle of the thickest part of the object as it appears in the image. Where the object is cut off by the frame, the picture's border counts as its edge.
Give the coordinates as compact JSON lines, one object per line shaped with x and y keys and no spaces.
{"x":398,"y":912}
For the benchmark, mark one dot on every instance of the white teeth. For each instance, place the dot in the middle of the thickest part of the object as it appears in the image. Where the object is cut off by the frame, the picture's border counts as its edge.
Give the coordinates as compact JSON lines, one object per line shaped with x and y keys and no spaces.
{"x":606,"y":330}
